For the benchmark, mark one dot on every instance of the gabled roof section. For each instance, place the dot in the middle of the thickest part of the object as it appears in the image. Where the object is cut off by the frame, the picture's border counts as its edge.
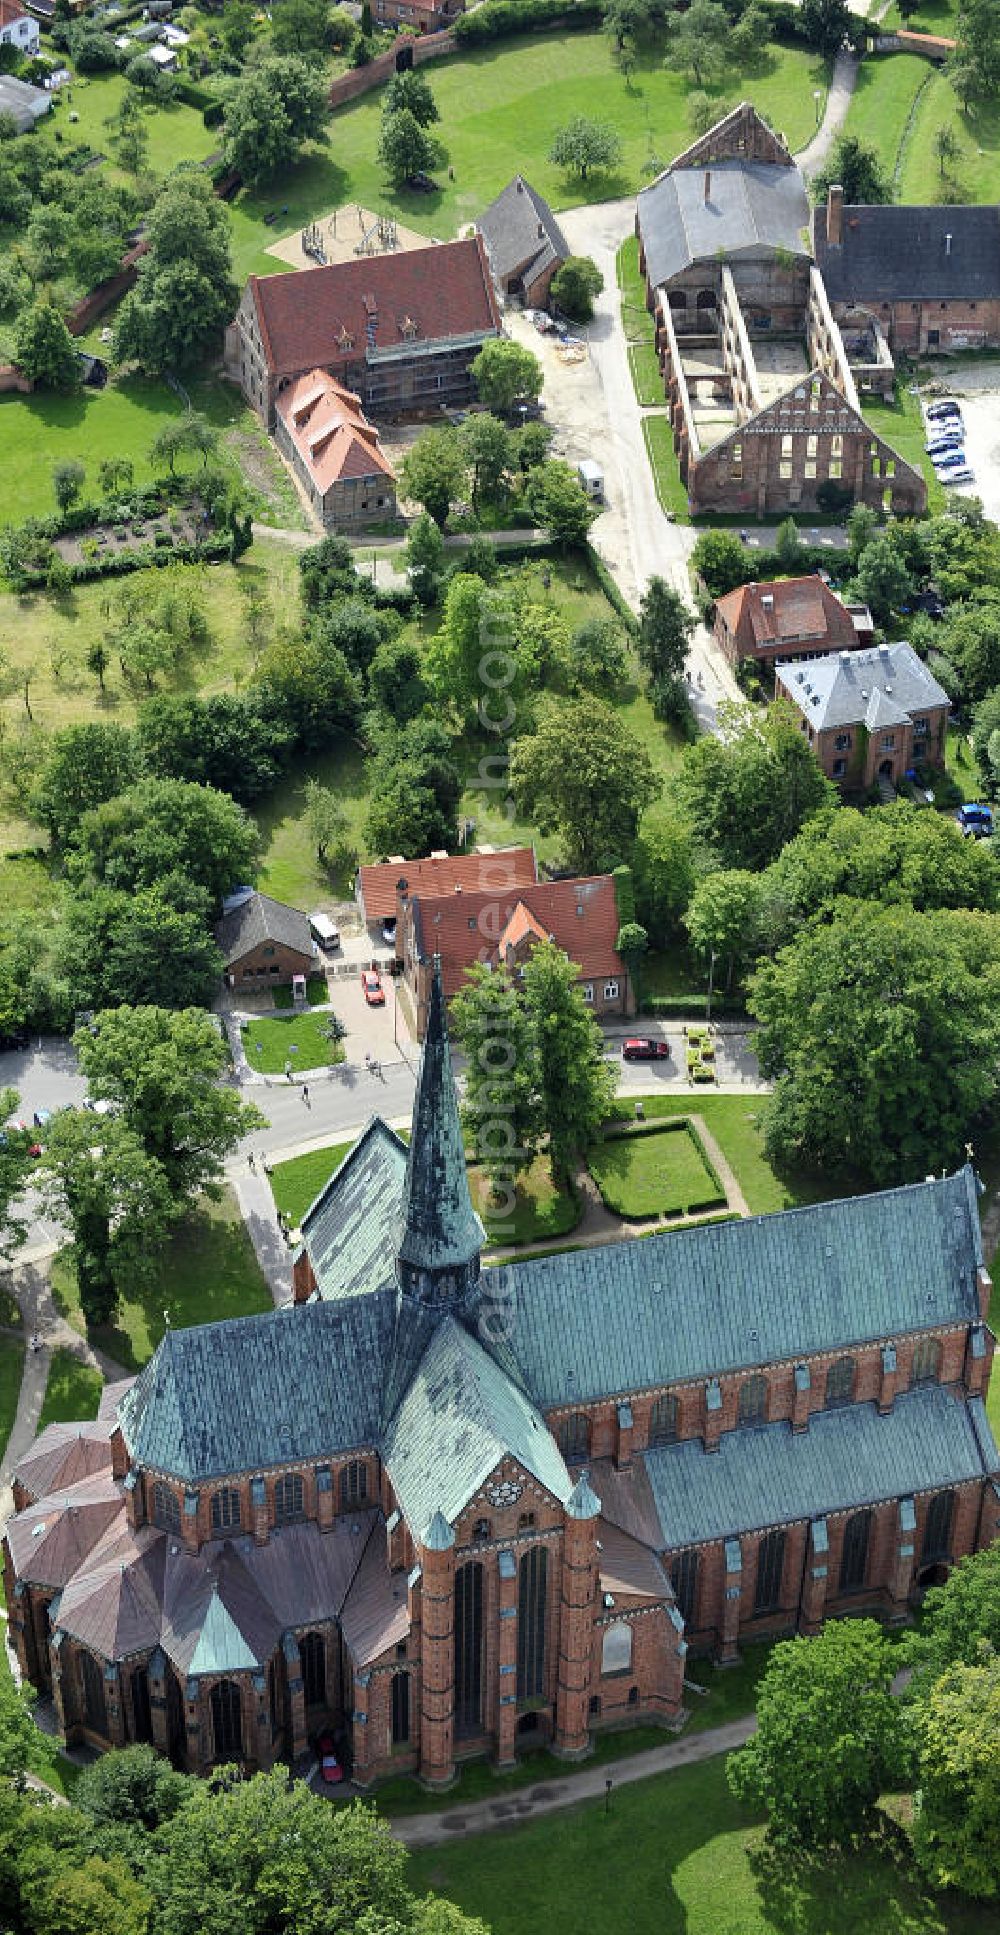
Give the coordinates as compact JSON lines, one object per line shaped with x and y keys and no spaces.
{"x":259,"y":919}
{"x":52,"y":1538}
{"x":491,"y":871}
{"x":440,"y":1229}
{"x":631,"y":1316}
{"x":521,"y":233}
{"x":742,"y":134}
{"x":113,"y":1604}
{"x":215,"y":1617}
{"x":765,"y":617}
{"x":375,"y":1615}
{"x":460,"y":1418}
{"x":925,"y":253}
{"x":63,"y":1454}
{"x":732,"y":208}
{"x":330,"y":431}
{"x":263,"y":1391}
{"x":887,"y":683}
{"x":580,"y":916}
{"x":349,"y":1232}
{"x":313,"y":318}
{"x":627,"y":1567}
{"x":774,"y":1475}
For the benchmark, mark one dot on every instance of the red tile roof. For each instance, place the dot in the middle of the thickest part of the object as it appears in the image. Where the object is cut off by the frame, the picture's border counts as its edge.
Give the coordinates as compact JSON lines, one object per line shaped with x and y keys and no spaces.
{"x":330,"y":431}
{"x":581,"y":916}
{"x":497,"y":871}
{"x":791,"y":613}
{"x":10,"y":12}
{"x":324,"y":315}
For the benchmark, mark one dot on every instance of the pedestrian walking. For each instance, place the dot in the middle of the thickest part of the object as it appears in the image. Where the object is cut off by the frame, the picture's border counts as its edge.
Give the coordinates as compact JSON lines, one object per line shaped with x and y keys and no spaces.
{"x":288,"y":1071}
{"x":250,"y":1160}
{"x":305,"y":1093}
{"x":36,"y":1342}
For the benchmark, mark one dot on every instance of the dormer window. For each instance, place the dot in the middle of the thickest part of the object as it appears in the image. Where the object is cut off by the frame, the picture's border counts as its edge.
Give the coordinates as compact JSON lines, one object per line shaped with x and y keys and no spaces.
{"x":408,"y":329}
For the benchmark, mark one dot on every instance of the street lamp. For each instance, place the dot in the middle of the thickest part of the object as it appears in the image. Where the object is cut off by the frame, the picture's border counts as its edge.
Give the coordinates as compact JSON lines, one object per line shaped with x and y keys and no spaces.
{"x":817,"y":97}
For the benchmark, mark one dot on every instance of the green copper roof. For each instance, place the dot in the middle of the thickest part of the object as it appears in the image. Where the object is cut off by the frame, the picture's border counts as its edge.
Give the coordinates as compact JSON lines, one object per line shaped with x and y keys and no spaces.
{"x":459,"y":1419}
{"x":773,"y":1475}
{"x":583,"y":1501}
{"x":441,"y":1230}
{"x":696,"y":1303}
{"x":439,"y":1536}
{"x":350,"y":1230}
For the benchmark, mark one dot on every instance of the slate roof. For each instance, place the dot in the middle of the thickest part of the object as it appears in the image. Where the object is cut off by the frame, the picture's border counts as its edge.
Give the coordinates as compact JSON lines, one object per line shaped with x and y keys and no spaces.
{"x":521,"y":233}
{"x":498,"y":870}
{"x":628,"y":1568}
{"x":459,"y":1419}
{"x":350,"y":1230}
{"x":50,"y":1539}
{"x":580,"y":915}
{"x":773,"y":1475}
{"x":630,"y":1316}
{"x":261,"y":919}
{"x":215,"y":1617}
{"x":753,"y":208}
{"x":772,"y":617}
{"x":65,"y":1453}
{"x":439,"y":1229}
{"x":375,"y":1613}
{"x":901,"y":253}
{"x":260,"y":1391}
{"x":444,"y":292}
{"x":113,"y":1604}
{"x":840,"y":691}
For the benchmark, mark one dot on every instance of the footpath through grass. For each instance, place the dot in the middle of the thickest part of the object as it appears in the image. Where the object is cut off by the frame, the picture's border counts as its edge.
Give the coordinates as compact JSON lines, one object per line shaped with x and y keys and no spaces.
{"x":735,"y":1122}
{"x":677,"y":1855}
{"x":206,"y":1271}
{"x":73,"y":1392}
{"x":882,"y":103}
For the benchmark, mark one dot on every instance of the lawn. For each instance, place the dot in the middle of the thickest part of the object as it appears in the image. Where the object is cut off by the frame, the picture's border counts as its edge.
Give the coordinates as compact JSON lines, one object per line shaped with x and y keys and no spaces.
{"x":882,"y":103}
{"x":73,"y":1391}
{"x":902,"y":425}
{"x":298,"y":1041}
{"x":647,"y":380}
{"x":734,"y":1121}
{"x":931,"y":17}
{"x":500,"y":108}
{"x":654,"y":1172}
{"x":960,"y":764}
{"x":675,"y":1855}
{"x":176,"y":133}
{"x":11,"y":1367}
{"x":121,"y":421}
{"x":296,"y":1183}
{"x":206,"y":1271}
{"x":974,"y":175}
{"x":670,"y":487}
{"x":540,"y":1212}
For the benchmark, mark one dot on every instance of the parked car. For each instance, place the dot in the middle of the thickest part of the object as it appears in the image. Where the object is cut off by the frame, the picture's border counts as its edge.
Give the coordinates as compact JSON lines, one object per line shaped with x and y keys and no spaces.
{"x":975,"y":820}
{"x":371,"y":984}
{"x":951,"y":460}
{"x":34,"y":1146}
{"x":952,"y":440}
{"x":330,"y":1769}
{"x":965,"y":476}
{"x":945,"y":407}
{"x":645,"y":1048}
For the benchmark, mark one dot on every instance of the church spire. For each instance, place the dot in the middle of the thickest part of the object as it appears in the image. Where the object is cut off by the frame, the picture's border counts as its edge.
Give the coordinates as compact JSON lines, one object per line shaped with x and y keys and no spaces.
{"x":438,"y":1255}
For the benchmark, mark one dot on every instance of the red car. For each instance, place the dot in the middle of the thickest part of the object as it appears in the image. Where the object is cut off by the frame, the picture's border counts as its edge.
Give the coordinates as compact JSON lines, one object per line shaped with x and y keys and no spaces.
{"x":330,"y":1769}
{"x":374,"y":992}
{"x":645,"y":1048}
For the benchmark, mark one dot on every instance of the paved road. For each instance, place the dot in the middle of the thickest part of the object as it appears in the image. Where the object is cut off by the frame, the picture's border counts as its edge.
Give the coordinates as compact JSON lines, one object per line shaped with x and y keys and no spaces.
{"x":845,"y":73}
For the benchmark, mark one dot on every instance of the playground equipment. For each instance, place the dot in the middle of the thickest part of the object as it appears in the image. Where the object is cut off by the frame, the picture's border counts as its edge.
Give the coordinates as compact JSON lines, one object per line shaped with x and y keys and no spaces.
{"x":381,"y":235}
{"x":312,"y":243}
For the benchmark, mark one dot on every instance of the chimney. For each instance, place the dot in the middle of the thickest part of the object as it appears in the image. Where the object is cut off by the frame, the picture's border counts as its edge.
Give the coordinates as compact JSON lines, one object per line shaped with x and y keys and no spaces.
{"x":947,"y":244}
{"x":834,"y":216}
{"x":708,"y":184}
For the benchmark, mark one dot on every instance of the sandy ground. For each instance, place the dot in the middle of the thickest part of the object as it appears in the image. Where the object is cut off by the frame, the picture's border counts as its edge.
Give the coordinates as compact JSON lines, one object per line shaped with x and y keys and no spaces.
{"x":341,"y":231}
{"x":977,"y":387}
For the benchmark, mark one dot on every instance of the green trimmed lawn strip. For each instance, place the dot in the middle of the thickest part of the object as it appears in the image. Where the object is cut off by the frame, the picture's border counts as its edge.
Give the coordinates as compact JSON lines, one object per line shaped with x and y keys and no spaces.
{"x":271,"y":1042}
{"x":207,"y":1271}
{"x":73,"y":1391}
{"x":670,"y":488}
{"x":11,"y":1369}
{"x":673,"y":1856}
{"x":902,"y":425}
{"x":658,"y":1172}
{"x":296,"y":1183}
{"x":541,"y":1210}
{"x":735,"y":1123}
{"x":647,"y":380}
{"x":974,"y":175}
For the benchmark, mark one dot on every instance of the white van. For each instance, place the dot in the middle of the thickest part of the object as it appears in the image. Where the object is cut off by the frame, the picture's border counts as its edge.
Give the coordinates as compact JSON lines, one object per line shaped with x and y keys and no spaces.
{"x":324,"y":932}
{"x":592,"y":479}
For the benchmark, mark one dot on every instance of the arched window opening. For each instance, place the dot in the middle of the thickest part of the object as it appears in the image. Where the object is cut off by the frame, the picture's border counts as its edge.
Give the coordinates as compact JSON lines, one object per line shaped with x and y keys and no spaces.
{"x":142,"y":1715}
{"x":469,"y":1649}
{"x":770,"y":1567}
{"x":854,"y":1558}
{"x":353,"y":1485}
{"x":663,"y":1421}
{"x":288,"y":1498}
{"x":312,"y":1652}
{"x":753,"y":1400}
{"x":574,"y":1438}
{"x":616,"y":1650}
{"x":532,"y":1579}
{"x":95,"y":1708}
{"x":226,"y":1512}
{"x":166,"y":1508}
{"x":937,"y":1530}
{"x":400,"y":1709}
{"x":227,"y":1720}
{"x":926,"y":1365}
{"x":684,"y":1579}
{"x":840,"y":1382}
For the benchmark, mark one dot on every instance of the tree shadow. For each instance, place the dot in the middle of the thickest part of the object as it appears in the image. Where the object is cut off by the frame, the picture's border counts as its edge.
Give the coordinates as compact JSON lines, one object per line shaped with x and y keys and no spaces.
{"x":803,"y":1892}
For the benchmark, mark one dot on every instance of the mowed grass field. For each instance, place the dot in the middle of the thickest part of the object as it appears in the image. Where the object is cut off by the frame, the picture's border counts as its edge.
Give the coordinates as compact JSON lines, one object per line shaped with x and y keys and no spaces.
{"x":974,"y":175}
{"x":175,"y":133}
{"x":882,"y":103}
{"x":500,"y":108}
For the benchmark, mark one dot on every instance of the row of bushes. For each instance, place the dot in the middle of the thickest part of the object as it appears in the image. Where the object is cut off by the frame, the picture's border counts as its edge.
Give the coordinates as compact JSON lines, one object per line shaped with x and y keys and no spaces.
{"x":616,"y":599}
{"x":498,"y":19}
{"x":57,"y":574}
{"x":149,"y":500}
{"x":693,"y":1007}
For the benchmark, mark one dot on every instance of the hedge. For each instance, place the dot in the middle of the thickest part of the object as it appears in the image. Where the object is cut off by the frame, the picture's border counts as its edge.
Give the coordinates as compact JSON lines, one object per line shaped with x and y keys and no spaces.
{"x":499,"y":18}
{"x":118,"y":564}
{"x":616,"y":599}
{"x":681,"y":1124}
{"x":693,"y":1007}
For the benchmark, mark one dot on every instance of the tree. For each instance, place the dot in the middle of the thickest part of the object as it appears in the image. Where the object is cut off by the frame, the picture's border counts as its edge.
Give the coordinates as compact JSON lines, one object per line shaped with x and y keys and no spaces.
{"x":191,"y":432}
{"x":856,"y":168}
{"x":583,"y":146}
{"x":306,"y":689}
{"x":961,"y":1623}
{"x":15,"y":1159}
{"x":21,"y":1740}
{"x":43,"y":347}
{"x":506,"y":374}
{"x":750,"y":790}
{"x":502,"y":1105}
{"x":184,"y":293}
{"x":597,"y":658}
{"x":633,"y":945}
{"x":236,"y":28}
{"x":273,"y":109}
{"x":957,"y":1802}
{"x":986,"y":740}
{"x":404,"y":149}
{"x":788,"y":546}
{"x":560,"y":503}
{"x":881,"y":1031}
{"x":895,"y":853}
{"x":425,"y":557}
{"x":698,"y":42}
{"x":99,"y":1180}
{"x":829,"y":1736}
{"x":488,"y":450}
{"x":67,"y":483}
{"x":721,"y":562}
{"x":134,"y":1785}
{"x":161,"y":1070}
{"x":222,"y":740}
{"x":411,"y":90}
{"x":300,"y":27}
{"x":325,"y":819}
{"x":115,"y":474}
{"x":881,"y":578}
{"x":946,"y":146}
{"x":160,"y":828}
{"x":118,"y":947}
{"x":433,"y":472}
{"x":576,"y":1085}
{"x":533,"y":442}
{"x":86,"y":765}
{"x":595,"y":800}
{"x":664,"y":873}
{"x":396,"y":680}
{"x":976,"y":60}
{"x":724,"y":919}
{"x":862,"y":527}
{"x":970,"y":638}
{"x":666,"y":628}
{"x":414,"y":791}
{"x":825,"y":24}
{"x":575,"y":284}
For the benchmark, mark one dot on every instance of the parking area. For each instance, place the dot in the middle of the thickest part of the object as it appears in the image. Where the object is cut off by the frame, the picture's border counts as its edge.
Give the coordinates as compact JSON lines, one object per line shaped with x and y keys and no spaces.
{"x":976,"y":386}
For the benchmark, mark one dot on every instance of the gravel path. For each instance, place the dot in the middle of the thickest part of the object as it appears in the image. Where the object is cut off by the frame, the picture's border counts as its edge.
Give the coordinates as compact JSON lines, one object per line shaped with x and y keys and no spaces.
{"x":845,"y":74}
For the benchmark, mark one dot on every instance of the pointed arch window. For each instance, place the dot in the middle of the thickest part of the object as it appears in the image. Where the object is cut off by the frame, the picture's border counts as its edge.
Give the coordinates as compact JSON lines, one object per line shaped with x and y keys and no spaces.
{"x":753,"y":1400}
{"x":166,"y":1508}
{"x":770,"y":1567}
{"x":312,"y":1652}
{"x":663,"y":1421}
{"x":353,"y":1485}
{"x":95,"y":1708}
{"x":289,"y":1498}
{"x":227,"y":1720}
{"x":840,"y":1382}
{"x":574,"y":1438}
{"x":854,"y":1558}
{"x":532,"y":1580}
{"x":469,"y":1649}
{"x":926,"y":1366}
{"x":937,"y":1530}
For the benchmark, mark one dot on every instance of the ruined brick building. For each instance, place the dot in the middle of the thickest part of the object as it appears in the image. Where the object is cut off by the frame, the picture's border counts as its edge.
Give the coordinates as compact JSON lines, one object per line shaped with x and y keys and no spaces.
{"x":763,"y":383}
{"x":446,"y":1510}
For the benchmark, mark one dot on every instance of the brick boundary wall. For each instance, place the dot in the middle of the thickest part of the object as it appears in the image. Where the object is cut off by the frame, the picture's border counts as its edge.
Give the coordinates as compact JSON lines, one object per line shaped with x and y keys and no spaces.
{"x":11,"y":379}
{"x":359,"y":80}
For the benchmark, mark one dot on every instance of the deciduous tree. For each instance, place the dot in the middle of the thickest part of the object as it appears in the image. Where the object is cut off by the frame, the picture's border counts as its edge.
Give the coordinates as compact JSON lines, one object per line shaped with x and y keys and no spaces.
{"x":162,"y":828}
{"x":666,"y":628}
{"x":433,"y":472}
{"x":575,"y":284}
{"x":115,"y":1199}
{"x":404,"y":147}
{"x":411,"y":90}
{"x":43,"y":347}
{"x":325,"y":819}
{"x":414,"y":791}
{"x":856,"y":168}
{"x":86,"y":765}
{"x":425,"y":557}
{"x":595,"y":799}
{"x":489,"y":452}
{"x":502,"y":1103}
{"x":506,"y":374}
{"x":560,"y":503}
{"x":118,"y":947}
{"x":957,"y":1802}
{"x":184,"y":294}
{"x":699,"y":41}
{"x":825,"y":24}
{"x":585,"y":147}
{"x":273,"y":110}
{"x":751,"y":789}
{"x":724,"y":919}
{"x":576,"y":1084}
